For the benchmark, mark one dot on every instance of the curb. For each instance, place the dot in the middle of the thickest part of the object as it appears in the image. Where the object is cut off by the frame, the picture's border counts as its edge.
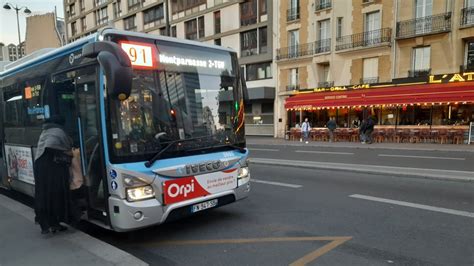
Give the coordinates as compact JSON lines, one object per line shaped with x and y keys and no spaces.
{"x":445,"y":175}
{"x":98,"y":248}
{"x":367,"y":147}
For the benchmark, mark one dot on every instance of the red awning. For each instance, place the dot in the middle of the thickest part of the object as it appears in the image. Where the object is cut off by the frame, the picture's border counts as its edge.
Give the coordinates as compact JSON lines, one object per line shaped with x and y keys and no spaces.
{"x":413,"y":94}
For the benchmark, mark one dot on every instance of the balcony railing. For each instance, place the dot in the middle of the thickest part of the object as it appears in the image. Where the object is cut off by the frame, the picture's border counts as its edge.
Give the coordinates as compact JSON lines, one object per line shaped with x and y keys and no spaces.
{"x":369,"y":80}
{"x":419,"y":73}
{"x":323,"y":4}
{"x":295,"y":51}
{"x":467,"y":68}
{"x":325,"y":84}
{"x":424,"y":26}
{"x":364,"y":39}
{"x":293,"y":14}
{"x":292,"y":87}
{"x":467,"y":16}
{"x":322,"y":46}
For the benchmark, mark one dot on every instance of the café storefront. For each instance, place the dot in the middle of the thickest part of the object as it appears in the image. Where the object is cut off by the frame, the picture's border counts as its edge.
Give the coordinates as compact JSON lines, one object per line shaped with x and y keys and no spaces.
{"x":404,"y":110}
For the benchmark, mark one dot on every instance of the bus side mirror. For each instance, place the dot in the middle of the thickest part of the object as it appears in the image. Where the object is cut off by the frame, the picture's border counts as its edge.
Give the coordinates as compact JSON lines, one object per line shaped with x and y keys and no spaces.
{"x":116,"y":64}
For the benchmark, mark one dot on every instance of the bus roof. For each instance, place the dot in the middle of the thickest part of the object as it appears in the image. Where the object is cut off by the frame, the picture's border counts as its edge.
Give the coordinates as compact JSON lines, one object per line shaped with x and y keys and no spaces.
{"x":94,"y":37}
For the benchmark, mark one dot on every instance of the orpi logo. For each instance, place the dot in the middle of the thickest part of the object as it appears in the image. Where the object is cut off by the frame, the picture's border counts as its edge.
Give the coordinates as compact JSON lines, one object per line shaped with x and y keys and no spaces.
{"x":175,"y":190}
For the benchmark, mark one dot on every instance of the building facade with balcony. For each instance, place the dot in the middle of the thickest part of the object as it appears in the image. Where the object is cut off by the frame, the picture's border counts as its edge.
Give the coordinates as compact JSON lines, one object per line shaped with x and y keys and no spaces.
{"x":405,"y":63}
{"x":245,"y":26}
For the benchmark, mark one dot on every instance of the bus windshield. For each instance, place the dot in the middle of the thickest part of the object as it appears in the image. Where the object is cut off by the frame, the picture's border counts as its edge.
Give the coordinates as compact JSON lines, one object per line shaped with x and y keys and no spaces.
{"x":193,"y":93}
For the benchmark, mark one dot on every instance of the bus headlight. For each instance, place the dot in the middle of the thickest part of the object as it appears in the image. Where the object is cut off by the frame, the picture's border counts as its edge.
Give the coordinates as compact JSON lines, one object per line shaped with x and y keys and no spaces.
{"x":140,"y":193}
{"x":244,"y":176}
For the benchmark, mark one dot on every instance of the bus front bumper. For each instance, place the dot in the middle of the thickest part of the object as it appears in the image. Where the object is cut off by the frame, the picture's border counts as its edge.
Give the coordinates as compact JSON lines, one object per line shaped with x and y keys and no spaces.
{"x":127,"y":216}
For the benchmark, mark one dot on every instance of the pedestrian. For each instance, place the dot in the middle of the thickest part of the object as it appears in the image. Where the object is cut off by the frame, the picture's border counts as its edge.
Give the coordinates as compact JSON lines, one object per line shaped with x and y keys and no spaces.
{"x":331,"y":125}
{"x":369,"y":129}
{"x":362,"y":128}
{"x":51,"y":171}
{"x":305,"y":129}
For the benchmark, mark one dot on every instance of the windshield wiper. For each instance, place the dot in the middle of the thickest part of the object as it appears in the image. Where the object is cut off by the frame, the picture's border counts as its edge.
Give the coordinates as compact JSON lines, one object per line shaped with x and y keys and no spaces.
{"x":149,"y":163}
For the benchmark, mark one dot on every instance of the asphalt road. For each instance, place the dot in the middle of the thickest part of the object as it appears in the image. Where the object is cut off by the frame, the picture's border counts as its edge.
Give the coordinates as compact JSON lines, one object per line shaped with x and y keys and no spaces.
{"x":319,"y":217}
{"x":425,"y":159}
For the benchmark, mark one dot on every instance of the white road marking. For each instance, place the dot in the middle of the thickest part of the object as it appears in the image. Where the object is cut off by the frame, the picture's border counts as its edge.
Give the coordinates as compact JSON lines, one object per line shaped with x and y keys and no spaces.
{"x":415,"y":205}
{"x":275,"y":183}
{"x":421,"y":157}
{"x":326,"y":152}
{"x":261,"y":149}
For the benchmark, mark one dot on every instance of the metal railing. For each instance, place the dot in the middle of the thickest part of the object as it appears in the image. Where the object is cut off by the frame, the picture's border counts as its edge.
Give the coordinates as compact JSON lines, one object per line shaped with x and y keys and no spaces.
{"x":419,"y":73}
{"x":325,"y":84}
{"x":467,"y":16}
{"x":364,"y":39}
{"x":323,"y":4}
{"x":292,"y":87}
{"x":369,"y":80}
{"x":322,"y":46}
{"x":466,"y":68}
{"x":295,"y":51}
{"x":293,"y":14}
{"x":423,"y":26}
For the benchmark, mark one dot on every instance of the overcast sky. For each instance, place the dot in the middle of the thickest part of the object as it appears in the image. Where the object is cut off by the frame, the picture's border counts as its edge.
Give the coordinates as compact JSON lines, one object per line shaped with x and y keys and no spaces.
{"x":8,"y":28}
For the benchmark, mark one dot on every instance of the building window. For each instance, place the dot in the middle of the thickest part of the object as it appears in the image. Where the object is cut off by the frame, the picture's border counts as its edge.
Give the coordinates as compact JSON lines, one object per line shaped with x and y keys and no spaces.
{"x":248,"y":12}
{"x":81,"y":5}
{"x":469,"y":62}
{"x":293,"y":79}
{"x":421,"y":61}
{"x":262,"y":7}
{"x":129,"y":23}
{"x":339,"y":28}
{"x":83,"y":24}
{"x":259,"y":71}
{"x":173,"y":31}
{"x":217,"y":42}
{"x":217,"y":2}
{"x":182,"y":5}
{"x":153,"y":15}
{"x":248,"y":43}
{"x":324,"y":29}
{"x":201,"y":27}
{"x":423,"y":8}
{"x":324,"y":75}
{"x":293,"y":12}
{"x":262,"y":40}
{"x":73,"y":28}
{"x":163,"y":31}
{"x":99,"y":2}
{"x":293,"y":42}
{"x":372,"y":28}
{"x":117,"y":9}
{"x":134,"y":4}
{"x":190,"y":28}
{"x":217,"y":22}
{"x":370,"y":71}
{"x":72,"y":10}
{"x":101,"y":16}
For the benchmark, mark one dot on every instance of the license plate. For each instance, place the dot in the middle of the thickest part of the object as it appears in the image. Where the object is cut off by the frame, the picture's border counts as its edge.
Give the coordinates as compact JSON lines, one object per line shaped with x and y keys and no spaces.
{"x":204,"y":205}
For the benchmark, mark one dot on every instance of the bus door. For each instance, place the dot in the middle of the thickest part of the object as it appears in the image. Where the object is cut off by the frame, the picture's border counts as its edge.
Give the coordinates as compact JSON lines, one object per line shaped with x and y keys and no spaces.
{"x":88,"y":121}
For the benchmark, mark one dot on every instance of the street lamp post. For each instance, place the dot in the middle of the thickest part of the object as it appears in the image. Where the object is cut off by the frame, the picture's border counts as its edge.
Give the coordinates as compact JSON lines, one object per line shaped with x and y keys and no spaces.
{"x":8,"y":6}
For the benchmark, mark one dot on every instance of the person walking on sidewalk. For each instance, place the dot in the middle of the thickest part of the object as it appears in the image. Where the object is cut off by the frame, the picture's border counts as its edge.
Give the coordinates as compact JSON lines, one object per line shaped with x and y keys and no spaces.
{"x":369,"y":129}
{"x":51,"y":171}
{"x":305,"y":129}
{"x":362,"y":128}
{"x":331,"y":125}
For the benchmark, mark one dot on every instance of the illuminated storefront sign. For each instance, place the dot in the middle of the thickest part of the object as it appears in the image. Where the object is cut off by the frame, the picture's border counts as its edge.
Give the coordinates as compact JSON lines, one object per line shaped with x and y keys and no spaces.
{"x":456,"y":77}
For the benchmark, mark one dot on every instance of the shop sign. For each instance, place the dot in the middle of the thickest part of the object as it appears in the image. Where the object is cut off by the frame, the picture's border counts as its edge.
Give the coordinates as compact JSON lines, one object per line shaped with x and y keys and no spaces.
{"x":456,"y":77}
{"x":342,"y":88}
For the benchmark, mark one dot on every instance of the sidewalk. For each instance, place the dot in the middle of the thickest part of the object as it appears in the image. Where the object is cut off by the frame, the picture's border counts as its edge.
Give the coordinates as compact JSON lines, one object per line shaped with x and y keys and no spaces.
{"x":22,"y":244}
{"x":254,"y":140}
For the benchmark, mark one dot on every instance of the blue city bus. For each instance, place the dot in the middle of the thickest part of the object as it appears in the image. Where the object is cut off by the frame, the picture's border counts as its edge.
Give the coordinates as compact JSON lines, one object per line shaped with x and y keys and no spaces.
{"x":159,"y":123}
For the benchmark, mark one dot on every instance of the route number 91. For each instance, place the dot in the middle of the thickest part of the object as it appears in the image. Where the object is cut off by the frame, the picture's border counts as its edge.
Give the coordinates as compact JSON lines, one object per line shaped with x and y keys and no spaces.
{"x":140,"y":55}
